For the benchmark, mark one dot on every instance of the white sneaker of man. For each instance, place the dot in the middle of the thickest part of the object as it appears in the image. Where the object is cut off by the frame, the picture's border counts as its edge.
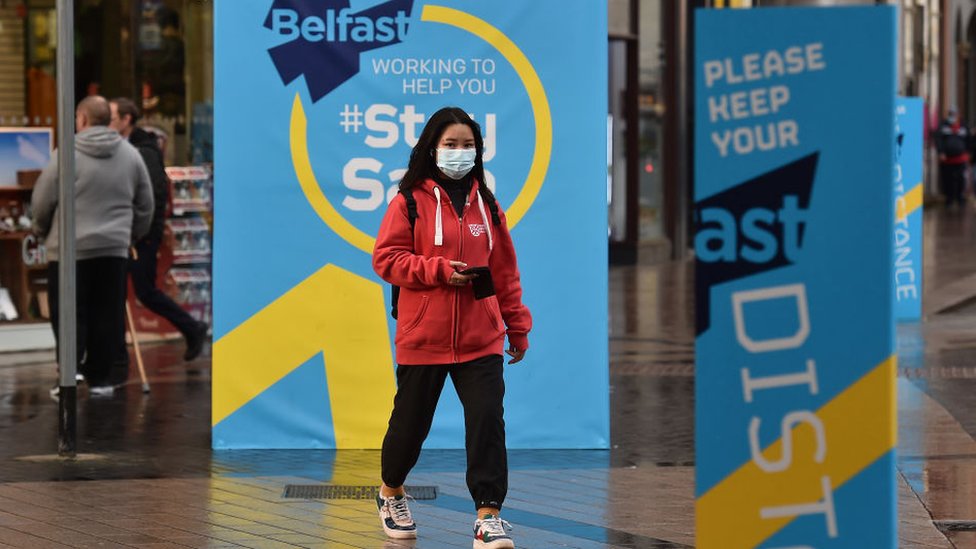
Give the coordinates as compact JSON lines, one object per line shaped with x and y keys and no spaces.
{"x":101,"y":391}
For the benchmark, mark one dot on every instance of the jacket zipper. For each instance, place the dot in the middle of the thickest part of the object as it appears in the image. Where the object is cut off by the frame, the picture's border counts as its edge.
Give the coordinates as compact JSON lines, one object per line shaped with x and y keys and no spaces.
{"x":457,"y":291}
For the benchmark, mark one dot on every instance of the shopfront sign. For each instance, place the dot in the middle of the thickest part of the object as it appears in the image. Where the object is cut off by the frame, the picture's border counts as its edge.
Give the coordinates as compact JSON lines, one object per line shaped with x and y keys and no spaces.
{"x":318,"y":104}
{"x":909,"y":140}
{"x":795,"y":408}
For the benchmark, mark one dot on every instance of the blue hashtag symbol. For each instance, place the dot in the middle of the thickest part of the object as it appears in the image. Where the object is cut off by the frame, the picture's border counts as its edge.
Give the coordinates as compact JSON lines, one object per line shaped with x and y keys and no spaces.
{"x":351,"y":118}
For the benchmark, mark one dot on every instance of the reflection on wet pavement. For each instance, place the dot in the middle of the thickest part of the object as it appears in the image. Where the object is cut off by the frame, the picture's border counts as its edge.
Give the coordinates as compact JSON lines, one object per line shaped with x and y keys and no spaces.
{"x":937,"y":395}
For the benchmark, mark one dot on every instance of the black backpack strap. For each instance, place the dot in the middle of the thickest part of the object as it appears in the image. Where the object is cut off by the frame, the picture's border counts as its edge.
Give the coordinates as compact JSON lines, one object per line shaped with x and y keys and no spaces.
{"x":489,"y":198}
{"x":394,"y":298}
{"x":411,"y":206}
{"x":412,"y":216}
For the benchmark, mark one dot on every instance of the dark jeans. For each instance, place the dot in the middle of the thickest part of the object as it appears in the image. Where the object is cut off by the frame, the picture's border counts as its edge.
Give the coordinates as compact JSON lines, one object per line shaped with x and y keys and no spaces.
{"x":953,"y":178}
{"x":100,"y":305}
{"x":143,"y":273}
{"x":481,"y":387}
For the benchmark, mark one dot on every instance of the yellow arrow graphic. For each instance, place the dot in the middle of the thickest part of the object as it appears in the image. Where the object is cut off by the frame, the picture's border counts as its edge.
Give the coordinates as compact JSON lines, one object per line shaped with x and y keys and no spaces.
{"x":334,"y":312}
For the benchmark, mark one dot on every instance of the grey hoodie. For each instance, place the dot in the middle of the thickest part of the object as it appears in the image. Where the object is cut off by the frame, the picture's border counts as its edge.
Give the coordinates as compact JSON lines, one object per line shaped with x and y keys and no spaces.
{"x":113,"y":196}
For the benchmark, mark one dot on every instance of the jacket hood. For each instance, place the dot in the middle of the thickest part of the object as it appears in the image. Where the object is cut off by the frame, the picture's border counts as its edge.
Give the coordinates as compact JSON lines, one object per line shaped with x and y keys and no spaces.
{"x":431,"y":187}
{"x":98,"y":141}
{"x":427,"y":186}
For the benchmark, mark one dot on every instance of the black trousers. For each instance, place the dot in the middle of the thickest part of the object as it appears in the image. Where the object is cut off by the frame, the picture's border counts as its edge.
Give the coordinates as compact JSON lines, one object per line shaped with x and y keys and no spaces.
{"x":481,"y":387}
{"x":953,"y":179}
{"x":100,"y":305}
{"x":143,"y":272}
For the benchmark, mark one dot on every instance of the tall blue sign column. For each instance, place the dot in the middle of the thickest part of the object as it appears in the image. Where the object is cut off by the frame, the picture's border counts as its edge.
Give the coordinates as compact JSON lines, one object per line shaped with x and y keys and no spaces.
{"x":909,"y":140}
{"x":794,"y":149}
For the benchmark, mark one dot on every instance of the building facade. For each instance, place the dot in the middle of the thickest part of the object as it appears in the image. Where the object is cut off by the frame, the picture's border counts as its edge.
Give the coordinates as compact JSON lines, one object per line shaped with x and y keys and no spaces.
{"x":650,"y":155}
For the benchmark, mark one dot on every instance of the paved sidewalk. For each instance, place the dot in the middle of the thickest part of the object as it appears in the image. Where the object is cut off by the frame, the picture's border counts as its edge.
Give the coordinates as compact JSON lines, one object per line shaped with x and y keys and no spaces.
{"x":638,"y":507}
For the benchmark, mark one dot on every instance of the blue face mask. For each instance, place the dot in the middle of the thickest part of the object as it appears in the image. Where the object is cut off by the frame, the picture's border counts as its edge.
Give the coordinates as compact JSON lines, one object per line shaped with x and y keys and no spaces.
{"x":456,"y":163}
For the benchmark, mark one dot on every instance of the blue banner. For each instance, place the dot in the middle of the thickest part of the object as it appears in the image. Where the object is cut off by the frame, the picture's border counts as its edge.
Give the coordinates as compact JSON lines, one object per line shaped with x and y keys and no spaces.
{"x":318,"y":104}
{"x":794,"y":149}
{"x":909,"y":141}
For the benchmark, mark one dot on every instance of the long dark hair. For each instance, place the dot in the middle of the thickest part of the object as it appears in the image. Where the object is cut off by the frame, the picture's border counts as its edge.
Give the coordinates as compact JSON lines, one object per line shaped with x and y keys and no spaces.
{"x":422,"y":165}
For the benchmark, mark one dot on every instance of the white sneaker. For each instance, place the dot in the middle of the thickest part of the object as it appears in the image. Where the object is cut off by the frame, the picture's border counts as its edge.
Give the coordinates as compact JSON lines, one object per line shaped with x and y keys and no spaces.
{"x":489,"y":533}
{"x":101,"y":391}
{"x":396,"y":518}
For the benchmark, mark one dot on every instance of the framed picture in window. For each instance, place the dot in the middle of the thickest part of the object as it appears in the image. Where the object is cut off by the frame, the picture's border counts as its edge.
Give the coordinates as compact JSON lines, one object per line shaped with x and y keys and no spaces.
{"x":23,"y":149}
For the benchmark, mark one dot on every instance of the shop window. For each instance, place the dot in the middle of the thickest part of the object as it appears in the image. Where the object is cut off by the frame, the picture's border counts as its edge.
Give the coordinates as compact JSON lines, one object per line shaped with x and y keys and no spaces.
{"x":651,"y":124}
{"x":174,"y":71}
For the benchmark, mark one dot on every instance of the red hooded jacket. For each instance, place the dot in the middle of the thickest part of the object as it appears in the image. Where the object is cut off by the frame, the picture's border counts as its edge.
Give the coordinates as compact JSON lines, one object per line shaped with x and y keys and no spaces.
{"x":439,"y":323}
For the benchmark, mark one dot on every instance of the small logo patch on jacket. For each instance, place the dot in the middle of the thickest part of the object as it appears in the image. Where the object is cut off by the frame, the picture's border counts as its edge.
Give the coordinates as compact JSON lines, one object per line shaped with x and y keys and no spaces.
{"x":476,"y":229}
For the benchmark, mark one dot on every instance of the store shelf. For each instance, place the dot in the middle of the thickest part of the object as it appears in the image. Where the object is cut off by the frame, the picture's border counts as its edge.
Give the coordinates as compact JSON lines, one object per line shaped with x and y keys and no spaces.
{"x":26,"y":283}
{"x":26,"y":335}
{"x":22,"y":322}
{"x":15,"y":235}
{"x":185,"y":255}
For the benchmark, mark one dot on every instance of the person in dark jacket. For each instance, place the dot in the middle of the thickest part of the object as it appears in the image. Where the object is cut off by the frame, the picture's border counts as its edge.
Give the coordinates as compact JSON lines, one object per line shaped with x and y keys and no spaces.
{"x":953,"y":141}
{"x":143,"y":266}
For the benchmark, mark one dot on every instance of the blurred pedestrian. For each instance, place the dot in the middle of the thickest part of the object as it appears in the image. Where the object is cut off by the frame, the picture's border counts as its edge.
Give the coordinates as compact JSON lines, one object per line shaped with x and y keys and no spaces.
{"x":142,"y":268}
{"x":953,"y":141}
{"x":451,"y":319}
{"x":113,"y":205}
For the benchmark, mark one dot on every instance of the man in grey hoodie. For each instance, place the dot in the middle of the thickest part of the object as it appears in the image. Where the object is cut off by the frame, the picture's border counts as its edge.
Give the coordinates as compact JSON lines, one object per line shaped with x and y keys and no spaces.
{"x":113,"y":207}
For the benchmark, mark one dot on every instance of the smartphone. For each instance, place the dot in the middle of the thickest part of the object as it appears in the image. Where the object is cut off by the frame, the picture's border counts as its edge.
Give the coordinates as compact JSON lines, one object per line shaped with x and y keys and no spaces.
{"x":482,"y":284}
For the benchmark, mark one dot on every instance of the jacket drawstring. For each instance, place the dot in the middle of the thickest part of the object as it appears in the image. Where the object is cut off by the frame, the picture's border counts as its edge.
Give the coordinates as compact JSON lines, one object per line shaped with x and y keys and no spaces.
{"x":484,"y":218}
{"x":438,"y":227}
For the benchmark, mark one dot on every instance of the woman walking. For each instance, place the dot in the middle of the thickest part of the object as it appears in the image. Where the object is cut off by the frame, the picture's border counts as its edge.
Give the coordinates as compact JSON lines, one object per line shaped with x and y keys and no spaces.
{"x":445,"y":243}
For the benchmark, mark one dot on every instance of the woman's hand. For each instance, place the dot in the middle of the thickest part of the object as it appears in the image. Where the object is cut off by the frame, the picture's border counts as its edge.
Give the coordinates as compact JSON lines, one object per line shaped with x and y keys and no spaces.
{"x":458,"y":279}
{"x":516,"y":355}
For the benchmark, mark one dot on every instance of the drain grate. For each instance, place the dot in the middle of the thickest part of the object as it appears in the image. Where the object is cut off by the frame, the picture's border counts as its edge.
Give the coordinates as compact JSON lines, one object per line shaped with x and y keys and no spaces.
{"x":330,"y":491}
{"x":944,"y":372}
{"x":956,"y":525}
{"x":664,"y":368}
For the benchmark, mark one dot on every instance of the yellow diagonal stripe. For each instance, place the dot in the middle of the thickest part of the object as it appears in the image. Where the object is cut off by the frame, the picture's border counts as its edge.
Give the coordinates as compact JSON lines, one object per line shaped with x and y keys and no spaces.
{"x":334,"y":312}
{"x":733,"y":4}
{"x":912,"y":201}
{"x":859,"y":427}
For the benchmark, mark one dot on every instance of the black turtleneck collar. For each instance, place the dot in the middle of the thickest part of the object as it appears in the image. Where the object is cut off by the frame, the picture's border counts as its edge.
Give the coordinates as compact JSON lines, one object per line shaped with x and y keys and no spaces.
{"x":457,"y":189}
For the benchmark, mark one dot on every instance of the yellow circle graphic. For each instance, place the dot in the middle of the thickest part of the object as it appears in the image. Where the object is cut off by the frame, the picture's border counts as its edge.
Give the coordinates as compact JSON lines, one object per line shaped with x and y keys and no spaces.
{"x":540,"y":110}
